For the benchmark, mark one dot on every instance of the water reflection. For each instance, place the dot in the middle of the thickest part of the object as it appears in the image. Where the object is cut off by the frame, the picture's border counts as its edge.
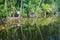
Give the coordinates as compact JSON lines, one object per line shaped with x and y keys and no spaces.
{"x":51,"y":37}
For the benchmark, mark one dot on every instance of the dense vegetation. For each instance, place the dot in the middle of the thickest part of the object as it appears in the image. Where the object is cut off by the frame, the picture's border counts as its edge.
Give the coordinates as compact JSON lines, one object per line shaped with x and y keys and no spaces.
{"x":29,"y":20}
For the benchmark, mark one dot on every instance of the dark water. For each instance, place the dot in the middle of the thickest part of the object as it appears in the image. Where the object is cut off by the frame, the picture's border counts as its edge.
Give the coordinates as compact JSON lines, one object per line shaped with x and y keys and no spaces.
{"x":51,"y":37}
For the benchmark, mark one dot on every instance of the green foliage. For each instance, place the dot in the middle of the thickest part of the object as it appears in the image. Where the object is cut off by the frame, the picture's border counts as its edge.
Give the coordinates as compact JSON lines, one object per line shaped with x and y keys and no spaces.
{"x":8,"y":14}
{"x":39,"y":10}
{"x":49,"y":1}
{"x":58,"y":4}
{"x":1,"y":1}
{"x":24,"y":15}
{"x":46,"y":7}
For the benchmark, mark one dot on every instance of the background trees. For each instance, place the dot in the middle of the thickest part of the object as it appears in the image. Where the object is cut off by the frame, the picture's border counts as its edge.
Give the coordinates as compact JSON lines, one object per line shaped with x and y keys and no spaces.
{"x":32,"y":6}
